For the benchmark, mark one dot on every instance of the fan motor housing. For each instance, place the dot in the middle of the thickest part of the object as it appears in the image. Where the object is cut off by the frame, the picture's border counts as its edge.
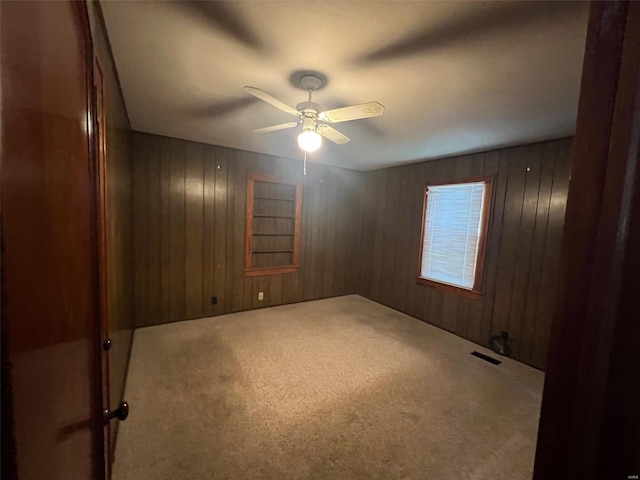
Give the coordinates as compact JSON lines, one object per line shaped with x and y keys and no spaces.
{"x":309,"y":108}
{"x":308,"y":123}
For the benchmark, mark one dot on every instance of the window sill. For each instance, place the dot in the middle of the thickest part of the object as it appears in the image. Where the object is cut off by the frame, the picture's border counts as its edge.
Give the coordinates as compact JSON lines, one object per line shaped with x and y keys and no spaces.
{"x":256,"y":272}
{"x":463,"y":292}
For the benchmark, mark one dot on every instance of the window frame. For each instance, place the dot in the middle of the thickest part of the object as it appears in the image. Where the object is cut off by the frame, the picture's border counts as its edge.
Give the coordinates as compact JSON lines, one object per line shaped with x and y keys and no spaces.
{"x":250,"y":271}
{"x":476,"y":290}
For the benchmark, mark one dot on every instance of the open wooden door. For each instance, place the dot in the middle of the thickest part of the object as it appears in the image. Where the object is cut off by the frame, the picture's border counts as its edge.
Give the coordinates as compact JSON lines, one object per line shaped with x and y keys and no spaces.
{"x":52,"y":375}
{"x":590,"y":417}
{"x":121,"y":411}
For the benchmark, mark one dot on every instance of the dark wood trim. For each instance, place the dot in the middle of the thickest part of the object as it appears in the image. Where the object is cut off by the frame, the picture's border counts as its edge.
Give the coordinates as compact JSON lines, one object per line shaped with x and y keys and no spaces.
{"x":99,"y":122}
{"x":274,"y":199}
{"x":256,"y":272}
{"x":249,"y":234}
{"x":457,"y":180}
{"x":8,"y":465}
{"x":248,"y":249}
{"x":93,"y":145}
{"x":487,"y":200}
{"x":264,"y":177}
{"x":273,"y":234}
{"x":445,"y":287}
{"x":288,"y":250}
{"x":589,"y":423}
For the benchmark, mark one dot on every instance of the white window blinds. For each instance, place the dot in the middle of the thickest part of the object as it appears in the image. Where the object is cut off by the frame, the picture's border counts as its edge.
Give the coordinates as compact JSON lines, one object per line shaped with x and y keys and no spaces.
{"x":452,"y":225}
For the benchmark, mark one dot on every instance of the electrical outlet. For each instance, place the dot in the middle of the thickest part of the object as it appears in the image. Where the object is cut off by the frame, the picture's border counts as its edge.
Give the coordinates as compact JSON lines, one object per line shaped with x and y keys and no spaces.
{"x":260,"y":295}
{"x":214,"y":300}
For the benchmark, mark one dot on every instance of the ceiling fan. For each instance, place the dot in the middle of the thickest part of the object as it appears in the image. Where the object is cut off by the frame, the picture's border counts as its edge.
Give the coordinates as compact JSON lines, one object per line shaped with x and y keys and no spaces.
{"x":314,"y":120}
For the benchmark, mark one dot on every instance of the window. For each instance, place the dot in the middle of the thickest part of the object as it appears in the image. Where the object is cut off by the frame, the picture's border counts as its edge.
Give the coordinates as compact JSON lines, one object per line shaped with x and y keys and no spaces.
{"x":454,"y":228}
{"x":272,"y":226}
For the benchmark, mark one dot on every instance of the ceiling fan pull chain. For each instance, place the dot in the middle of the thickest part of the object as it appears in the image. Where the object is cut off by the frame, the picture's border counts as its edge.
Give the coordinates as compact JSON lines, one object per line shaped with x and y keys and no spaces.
{"x":304,"y":162}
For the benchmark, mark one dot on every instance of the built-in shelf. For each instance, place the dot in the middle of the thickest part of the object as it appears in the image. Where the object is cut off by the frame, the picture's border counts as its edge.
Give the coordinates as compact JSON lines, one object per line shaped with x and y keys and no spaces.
{"x":275,"y":199}
{"x":290,"y":250}
{"x":273,"y":234}
{"x":274,"y":207}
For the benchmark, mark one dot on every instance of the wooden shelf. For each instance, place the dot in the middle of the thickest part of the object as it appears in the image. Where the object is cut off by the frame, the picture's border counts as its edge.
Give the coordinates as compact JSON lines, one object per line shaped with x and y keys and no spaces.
{"x":273,"y":251}
{"x":273,"y":234}
{"x":275,"y":242}
{"x":276,"y":199}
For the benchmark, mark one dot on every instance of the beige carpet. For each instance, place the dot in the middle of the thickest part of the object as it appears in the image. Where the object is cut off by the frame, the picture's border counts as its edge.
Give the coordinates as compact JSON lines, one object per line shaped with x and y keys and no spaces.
{"x":342,"y":388}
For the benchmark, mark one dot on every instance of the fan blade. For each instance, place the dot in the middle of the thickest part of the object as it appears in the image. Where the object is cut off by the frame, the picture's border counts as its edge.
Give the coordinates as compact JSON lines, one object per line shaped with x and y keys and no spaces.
{"x":218,"y":109}
{"x":484,"y":18}
{"x":223,"y":17}
{"x":355,"y":112}
{"x":265,"y":97}
{"x":332,"y":134}
{"x":274,"y":128}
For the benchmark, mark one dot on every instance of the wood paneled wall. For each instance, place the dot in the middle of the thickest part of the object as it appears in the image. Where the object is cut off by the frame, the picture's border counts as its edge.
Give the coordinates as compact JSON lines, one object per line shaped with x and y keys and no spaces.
{"x":530,"y":191}
{"x":360,"y":234}
{"x":119,"y":213}
{"x":189,"y":231}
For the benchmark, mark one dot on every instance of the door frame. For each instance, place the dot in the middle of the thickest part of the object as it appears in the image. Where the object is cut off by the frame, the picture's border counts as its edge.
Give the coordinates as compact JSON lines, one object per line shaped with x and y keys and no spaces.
{"x":102,"y":452}
{"x":100,"y":146}
{"x":589,"y":421}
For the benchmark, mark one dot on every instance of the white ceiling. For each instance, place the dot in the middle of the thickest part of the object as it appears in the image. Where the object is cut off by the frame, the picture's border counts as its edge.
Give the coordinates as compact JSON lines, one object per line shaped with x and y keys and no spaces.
{"x":454,"y":77}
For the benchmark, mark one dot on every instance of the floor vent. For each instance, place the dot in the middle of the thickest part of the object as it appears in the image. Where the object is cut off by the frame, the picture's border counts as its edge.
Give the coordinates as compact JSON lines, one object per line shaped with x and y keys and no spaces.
{"x":486,"y":358}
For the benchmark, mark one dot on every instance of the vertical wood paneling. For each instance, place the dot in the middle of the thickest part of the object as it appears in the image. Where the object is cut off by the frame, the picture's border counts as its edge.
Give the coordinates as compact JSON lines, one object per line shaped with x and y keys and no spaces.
{"x":194,"y":229}
{"x":330,"y":198}
{"x":219,"y":287}
{"x":377,"y":185}
{"x":537,"y":253}
{"x":165,"y":229}
{"x":190,"y":224}
{"x":366,"y":237}
{"x":509,"y":249}
{"x":523,"y":240}
{"x":494,"y":165}
{"x":177,"y":229}
{"x":522,"y":263}
{"x":208,"y":230}
{"x":141,"y":230}
{"x":416,"y":297}
{"x":228,"y":229}
{"x":154,"y":288}
{"x":399,"y":255}
{"x":242,"y":287}
{"x":552,"y":243}
{"x":360,"y":234}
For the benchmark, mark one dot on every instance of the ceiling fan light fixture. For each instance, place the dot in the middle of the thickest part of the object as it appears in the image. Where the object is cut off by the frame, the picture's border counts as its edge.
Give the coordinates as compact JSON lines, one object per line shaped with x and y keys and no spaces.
{"x":314,"y":120}
{"x":309,"y":140}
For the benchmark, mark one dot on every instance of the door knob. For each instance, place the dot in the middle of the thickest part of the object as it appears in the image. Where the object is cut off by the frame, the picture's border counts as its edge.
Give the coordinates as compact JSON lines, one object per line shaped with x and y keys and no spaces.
{"x":121,"y":413}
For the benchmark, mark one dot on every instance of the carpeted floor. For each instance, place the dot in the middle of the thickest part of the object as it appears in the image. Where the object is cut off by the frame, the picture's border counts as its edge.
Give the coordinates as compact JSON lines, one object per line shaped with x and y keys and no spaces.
{"x":342,"y":388}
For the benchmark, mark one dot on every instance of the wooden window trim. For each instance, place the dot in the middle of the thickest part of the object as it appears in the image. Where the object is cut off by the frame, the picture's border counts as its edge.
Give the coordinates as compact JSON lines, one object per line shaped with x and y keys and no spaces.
{"x":249,"y":271}
{"x":476,"y":291}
